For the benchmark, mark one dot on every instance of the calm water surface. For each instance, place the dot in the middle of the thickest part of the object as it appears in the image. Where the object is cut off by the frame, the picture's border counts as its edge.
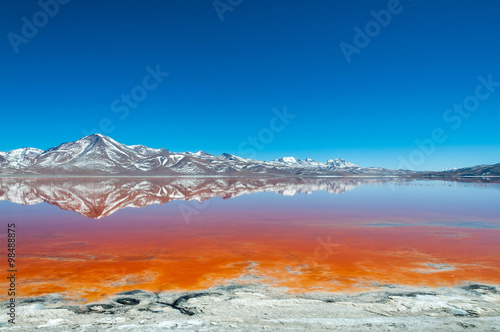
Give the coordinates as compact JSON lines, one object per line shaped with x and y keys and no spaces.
{"x":90,"y":238}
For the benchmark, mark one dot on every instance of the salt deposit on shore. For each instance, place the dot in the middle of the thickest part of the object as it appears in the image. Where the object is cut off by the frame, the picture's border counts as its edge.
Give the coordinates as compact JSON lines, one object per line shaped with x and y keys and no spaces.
{"x":254,"y":307}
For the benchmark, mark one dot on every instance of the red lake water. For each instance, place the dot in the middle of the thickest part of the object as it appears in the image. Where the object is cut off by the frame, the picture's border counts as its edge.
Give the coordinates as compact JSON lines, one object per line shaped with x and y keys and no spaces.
{"x":86,"y":239}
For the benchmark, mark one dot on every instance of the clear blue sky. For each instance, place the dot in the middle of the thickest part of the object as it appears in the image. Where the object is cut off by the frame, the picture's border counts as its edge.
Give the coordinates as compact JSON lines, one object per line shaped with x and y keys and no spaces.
{"x":226,"y":77}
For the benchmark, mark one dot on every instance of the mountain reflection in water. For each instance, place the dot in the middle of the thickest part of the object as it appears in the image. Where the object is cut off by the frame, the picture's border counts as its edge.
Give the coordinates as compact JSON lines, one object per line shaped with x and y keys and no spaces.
{"x":98,"y":197}
{"x":374,"y":232}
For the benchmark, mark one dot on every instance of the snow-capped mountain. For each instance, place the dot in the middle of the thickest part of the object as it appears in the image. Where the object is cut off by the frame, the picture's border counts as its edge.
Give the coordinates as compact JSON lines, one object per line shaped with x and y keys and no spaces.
{"x":100,"y":155}
{"x":19,"y":158}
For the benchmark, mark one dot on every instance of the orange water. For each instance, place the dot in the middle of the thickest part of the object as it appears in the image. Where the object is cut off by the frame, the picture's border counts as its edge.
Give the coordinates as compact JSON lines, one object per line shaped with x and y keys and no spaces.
{"x":318,"y":242}
{"x":91,"y":260}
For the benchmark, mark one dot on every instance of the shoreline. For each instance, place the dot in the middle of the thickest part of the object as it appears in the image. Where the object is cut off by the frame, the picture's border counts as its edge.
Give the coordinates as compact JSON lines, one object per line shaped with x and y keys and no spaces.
{"x":257,"y":306}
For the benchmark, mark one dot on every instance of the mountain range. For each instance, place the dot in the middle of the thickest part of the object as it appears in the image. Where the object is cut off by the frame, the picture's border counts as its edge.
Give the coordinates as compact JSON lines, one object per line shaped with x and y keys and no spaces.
{"x":99,"y":155}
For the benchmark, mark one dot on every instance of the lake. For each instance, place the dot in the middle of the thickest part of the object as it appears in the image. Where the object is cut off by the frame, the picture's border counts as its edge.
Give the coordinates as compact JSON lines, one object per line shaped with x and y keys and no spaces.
{"x":87,"y":238}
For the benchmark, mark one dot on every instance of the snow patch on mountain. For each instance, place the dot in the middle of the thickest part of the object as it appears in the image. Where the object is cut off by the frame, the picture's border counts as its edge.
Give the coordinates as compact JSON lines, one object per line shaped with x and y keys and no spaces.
{"x":288,"y":160}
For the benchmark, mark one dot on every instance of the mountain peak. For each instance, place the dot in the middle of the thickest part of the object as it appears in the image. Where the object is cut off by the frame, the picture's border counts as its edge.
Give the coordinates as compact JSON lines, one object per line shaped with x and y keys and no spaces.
{"x":95,"y":135}
{"x":98,"y":137}
{"x":338,"y":162}
{"x":230,"y":157}
{"x":286,"y":160}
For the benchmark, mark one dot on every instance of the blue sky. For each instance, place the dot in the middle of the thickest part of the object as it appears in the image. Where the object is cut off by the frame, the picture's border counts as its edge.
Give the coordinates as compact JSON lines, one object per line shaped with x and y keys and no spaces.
{"x":225,"y":77}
